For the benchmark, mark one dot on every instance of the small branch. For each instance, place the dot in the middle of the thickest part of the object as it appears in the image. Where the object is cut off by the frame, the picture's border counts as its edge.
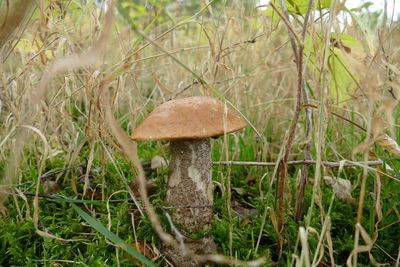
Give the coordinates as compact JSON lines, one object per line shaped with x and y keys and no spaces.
{"x":298,"y":49}
{"x":335,"y":164}
{"x":68,"y":199}
{"x":72,"y":199}
{"x":307,"y":149}
{"x":307,"y":156}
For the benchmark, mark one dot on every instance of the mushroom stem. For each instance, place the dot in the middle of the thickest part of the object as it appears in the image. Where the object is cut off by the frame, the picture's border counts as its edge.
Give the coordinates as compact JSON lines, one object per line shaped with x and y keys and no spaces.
{"x":189,"y":187}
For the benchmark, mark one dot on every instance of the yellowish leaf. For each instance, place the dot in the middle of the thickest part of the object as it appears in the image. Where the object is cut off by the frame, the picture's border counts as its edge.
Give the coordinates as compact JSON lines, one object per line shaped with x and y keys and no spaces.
{"x":27,"y":47}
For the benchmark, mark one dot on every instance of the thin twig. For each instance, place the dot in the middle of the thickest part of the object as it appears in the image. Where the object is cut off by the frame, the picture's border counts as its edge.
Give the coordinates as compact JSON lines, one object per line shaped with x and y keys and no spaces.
{"x":72,"y":199}
{"x":298,"y":49}
{"x":307,"y":149}
{"x":307,"y":155}
{"x":335,"y":164}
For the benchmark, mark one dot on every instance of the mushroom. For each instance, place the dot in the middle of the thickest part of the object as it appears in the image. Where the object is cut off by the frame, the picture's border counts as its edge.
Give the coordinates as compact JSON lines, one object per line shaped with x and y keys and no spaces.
{"x":188,"y":123}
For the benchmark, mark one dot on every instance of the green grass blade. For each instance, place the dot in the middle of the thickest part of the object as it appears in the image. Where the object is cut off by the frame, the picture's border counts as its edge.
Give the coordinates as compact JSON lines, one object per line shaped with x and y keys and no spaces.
{"x":112,"y":237}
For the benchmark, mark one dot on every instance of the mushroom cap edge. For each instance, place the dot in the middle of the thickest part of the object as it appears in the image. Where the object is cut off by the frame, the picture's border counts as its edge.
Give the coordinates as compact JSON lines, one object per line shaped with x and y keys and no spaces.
{"x":189,"y":118}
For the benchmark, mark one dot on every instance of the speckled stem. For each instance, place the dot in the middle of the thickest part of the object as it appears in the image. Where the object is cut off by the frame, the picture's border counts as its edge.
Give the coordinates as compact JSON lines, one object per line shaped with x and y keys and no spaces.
{"x":189,"y":186}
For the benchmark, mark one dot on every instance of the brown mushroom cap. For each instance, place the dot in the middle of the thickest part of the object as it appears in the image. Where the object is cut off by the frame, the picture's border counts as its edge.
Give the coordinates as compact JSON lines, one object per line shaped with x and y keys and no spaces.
{"x":197,"y":117}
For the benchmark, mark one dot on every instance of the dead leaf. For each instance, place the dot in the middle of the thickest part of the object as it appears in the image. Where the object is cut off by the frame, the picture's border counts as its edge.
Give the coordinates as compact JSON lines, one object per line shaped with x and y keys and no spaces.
{"x":241,"y":211}
{"x":146,"y":250}
{"x":251,"y":180}
{"x":94,"y":194}
{"x":150,"y":186}
{"x":341,"y":188}
{"x":51,"y":187}
{"x":339,"y":44}
{"x":388,"y":144}
{"x":238,"y":190}
{"x":158,"y":162}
